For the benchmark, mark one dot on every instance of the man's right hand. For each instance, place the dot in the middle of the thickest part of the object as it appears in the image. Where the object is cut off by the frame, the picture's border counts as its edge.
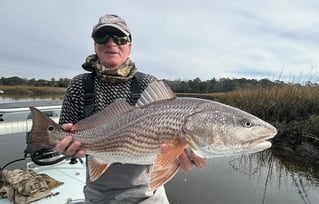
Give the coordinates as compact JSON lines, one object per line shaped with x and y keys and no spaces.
{"x":69,"y":147}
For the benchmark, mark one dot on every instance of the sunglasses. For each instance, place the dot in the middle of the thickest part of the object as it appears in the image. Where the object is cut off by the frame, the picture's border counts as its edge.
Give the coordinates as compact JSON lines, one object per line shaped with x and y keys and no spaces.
{"x":103,"y":39}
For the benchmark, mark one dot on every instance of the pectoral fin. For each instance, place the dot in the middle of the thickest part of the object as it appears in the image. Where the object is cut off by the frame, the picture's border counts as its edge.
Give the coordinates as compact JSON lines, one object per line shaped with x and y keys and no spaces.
{"x":96,"y":168}
{"x":166,"y":166}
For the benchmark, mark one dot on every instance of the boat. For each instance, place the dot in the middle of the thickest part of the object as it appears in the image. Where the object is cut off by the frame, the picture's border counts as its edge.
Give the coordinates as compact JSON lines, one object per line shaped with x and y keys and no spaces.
{"x":15,"y":118}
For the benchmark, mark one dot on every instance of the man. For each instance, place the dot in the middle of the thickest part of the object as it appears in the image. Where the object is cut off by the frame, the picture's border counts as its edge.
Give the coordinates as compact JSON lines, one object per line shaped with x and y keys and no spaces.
{"x":112,"y":77}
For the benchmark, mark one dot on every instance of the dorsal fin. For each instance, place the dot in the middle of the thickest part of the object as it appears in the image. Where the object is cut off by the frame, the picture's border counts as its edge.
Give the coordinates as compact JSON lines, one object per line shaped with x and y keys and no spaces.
{"x":114,"y":109}
{"x":155,"y":91}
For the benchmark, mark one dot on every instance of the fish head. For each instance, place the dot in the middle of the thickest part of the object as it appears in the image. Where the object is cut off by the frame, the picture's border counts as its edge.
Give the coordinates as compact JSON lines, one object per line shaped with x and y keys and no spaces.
{"x":221,"y":130}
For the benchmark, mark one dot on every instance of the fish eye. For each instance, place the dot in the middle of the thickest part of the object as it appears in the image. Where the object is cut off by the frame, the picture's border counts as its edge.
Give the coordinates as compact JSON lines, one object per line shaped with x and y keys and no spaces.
{"x":247,"y":123}
{"x":50,"y":128}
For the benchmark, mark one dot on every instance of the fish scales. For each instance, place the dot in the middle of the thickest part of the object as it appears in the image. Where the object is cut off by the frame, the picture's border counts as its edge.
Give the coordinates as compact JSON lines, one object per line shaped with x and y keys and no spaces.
{"x":147,"y":128}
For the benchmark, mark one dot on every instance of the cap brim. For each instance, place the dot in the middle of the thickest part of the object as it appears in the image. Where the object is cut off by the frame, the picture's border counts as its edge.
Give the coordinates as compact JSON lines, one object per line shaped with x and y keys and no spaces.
{"x":97,"y":28}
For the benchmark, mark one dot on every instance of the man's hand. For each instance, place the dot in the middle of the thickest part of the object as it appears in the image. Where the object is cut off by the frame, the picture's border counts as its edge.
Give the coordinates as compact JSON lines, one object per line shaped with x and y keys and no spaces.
{"x":67,"y":146}
{"x":187,"y":159}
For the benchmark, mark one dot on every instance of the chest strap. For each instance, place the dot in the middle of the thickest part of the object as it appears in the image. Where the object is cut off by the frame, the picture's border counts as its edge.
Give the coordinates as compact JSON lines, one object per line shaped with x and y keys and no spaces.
{"x":89,"y":95}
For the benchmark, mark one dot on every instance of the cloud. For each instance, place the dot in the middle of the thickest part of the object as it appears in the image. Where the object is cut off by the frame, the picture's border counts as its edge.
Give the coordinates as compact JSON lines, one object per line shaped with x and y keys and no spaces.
{"x":171,"y":39}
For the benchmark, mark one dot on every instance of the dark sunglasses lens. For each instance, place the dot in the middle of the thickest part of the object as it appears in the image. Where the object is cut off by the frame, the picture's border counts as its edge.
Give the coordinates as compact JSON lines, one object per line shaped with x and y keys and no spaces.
{"x":120,"y":40}
{"x":105,"y":38}
{"x":102,"y":39}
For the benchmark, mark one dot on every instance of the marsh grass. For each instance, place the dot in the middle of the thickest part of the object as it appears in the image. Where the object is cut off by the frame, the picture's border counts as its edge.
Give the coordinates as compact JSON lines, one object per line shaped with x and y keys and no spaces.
{"x":276,"y":103}
{"x":32,"y":90}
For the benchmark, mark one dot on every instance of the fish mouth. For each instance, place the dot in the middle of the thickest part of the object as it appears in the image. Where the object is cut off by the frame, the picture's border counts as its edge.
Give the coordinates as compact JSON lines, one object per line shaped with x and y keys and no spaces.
{"x":261,"y":140}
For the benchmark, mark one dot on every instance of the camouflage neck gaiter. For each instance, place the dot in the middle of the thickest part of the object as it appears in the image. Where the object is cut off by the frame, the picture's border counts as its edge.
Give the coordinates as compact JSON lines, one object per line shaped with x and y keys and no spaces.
{"x":125,"y":72}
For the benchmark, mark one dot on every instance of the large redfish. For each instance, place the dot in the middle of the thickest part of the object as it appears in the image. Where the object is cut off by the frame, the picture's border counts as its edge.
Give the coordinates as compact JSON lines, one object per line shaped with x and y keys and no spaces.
{"x":133,"y":134}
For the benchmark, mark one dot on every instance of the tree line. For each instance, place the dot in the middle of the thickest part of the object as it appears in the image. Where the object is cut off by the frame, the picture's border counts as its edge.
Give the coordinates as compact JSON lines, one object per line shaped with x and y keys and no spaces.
{"x":226,"y":84}
{"x":180,"y":86}
{"x":15,"y":81}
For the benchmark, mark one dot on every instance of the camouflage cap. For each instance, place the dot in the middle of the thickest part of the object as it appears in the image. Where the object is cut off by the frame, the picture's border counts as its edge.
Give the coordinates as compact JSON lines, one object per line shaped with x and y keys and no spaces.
{"x":114,"y":21}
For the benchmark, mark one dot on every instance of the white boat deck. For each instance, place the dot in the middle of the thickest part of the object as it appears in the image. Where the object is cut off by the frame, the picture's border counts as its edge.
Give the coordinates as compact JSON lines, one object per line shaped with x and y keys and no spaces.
{"x":73,"y":176}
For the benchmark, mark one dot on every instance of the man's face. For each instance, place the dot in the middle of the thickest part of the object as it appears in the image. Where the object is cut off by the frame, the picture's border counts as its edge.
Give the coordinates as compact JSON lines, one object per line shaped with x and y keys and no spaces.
{"x":112,"y":52}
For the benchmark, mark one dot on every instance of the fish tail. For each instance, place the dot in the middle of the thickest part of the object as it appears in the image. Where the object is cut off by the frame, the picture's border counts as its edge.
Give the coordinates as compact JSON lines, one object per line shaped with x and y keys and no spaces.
{"x":39,"y":136}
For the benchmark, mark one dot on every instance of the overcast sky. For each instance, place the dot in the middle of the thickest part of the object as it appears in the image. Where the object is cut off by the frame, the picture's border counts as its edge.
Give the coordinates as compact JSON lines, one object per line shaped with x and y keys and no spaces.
{"x":172,"y":39}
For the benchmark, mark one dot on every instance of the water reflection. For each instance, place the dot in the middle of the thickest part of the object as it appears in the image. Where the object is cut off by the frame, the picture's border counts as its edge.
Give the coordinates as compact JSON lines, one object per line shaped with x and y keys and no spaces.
{"x":256,"y":178}
{"x":282,"y":168}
